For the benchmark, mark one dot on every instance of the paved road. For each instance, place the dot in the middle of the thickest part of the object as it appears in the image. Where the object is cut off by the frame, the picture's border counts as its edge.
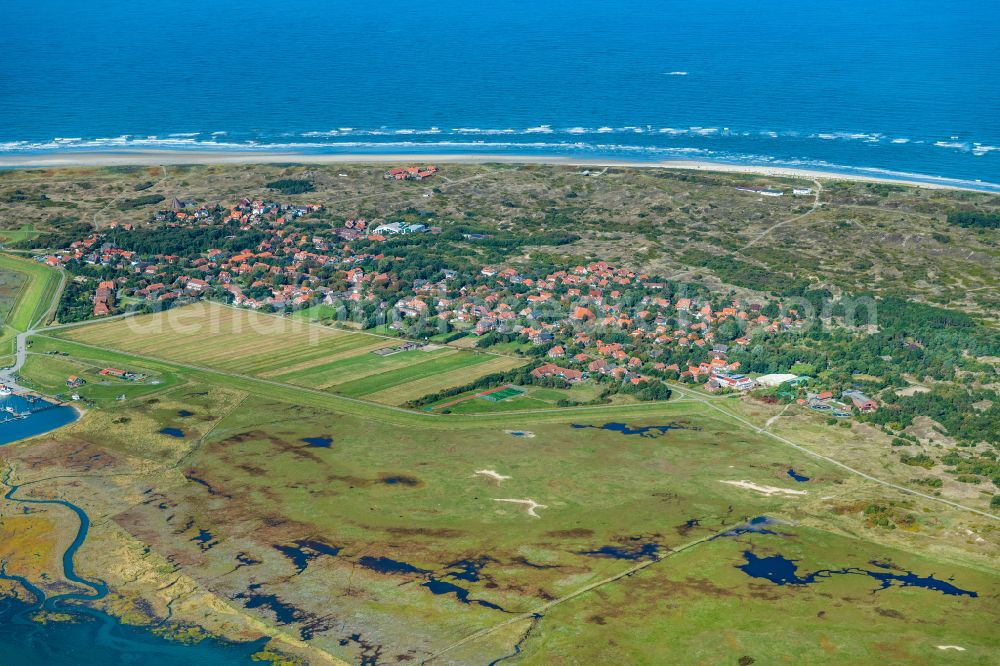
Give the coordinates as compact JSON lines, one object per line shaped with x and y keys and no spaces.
{"x":7,"y":376}
{"x":837,"y":463}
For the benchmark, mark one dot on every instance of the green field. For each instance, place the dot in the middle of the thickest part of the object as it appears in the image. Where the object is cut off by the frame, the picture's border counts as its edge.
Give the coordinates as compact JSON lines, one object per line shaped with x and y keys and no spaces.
{"x":356,"y":366}
{"x":503,"y":394}
{"x":32,"y":287}
{"x":533,"y":397}
{"x":11,"y":285}
{"x":410,"y":372}
{"x":13,"y":235}
{"x":301,"y":503}
{"x":444,"y":379}
{"x":291,"y":351}
{"x":47,"y":374}
{"x":620,"y":545}
{"x":317,"y":313}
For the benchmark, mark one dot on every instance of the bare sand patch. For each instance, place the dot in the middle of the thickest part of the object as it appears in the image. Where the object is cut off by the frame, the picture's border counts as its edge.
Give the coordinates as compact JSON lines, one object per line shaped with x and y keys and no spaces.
{"x":950,"y":647}
{"x":767,"y":490}
{"x":529,"y":503}
{"x":527,"y":434}
{"x":492,"y":474}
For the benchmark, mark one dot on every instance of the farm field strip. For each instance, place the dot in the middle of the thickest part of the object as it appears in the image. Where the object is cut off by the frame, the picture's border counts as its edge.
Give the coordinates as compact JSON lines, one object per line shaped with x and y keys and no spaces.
{"x":277,"y":361}
{"x":35,"y":295}
{"x":394,"y":378}
{"x":316,"y":358}
{"x":302,"y":395}
{"x":224,"y":341}
{"x":417,"y":388}
{"x":328,"y":358}
{"x":358,"y":367}
{"x":11,"y":285}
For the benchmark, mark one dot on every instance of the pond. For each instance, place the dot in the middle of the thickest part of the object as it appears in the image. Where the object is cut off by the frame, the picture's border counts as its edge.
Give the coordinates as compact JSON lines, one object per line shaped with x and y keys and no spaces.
{"x":172,"y":432}
{"x":783,"y":571}
{"x":39,"y":417}
{"x":642,"y":431}
{"x":318,"y":442}
{"x":797,"y":476}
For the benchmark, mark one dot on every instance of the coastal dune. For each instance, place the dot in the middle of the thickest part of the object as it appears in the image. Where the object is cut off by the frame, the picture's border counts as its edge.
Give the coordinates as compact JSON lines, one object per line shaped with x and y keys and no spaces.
{"x":176,"y":157}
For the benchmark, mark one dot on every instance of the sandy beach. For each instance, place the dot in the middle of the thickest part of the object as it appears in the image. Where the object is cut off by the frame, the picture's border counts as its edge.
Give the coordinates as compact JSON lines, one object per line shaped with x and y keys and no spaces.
{"x":168,"y":157}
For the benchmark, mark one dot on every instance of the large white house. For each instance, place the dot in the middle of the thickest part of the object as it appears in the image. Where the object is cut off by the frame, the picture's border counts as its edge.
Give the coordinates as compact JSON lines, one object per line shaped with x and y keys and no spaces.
{"x":395,"y":228}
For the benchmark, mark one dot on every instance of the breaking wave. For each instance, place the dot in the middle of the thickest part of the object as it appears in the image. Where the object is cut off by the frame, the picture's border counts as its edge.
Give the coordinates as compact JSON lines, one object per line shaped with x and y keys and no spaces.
{"x":635,"y":142}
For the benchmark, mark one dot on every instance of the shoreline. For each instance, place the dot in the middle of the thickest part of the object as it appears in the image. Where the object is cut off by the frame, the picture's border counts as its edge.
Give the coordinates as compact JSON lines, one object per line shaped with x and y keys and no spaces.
{"x":184,"y":157}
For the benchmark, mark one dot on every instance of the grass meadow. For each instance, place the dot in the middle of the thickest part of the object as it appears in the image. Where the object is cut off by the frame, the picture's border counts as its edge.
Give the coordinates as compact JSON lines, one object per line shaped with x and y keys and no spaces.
{"x":290,"y":351}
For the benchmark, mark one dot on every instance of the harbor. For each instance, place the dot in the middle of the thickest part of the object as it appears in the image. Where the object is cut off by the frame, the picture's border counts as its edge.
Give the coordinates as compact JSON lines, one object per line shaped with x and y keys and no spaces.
{"x":25,"y":414}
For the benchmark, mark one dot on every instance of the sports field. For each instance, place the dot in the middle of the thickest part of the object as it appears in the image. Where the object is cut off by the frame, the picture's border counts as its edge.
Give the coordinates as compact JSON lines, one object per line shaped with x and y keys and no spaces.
{"x":291,"y":351}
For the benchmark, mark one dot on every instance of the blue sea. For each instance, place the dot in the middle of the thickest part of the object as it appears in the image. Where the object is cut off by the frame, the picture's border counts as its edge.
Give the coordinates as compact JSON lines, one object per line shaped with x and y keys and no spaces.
{"x":895,"y":87}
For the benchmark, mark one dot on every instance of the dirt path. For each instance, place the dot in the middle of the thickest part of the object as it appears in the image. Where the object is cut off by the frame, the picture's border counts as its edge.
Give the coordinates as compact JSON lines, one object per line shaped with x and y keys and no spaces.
{"x":678,"y":389}
{"x":770,"y":421}
{"x":112,"y":201}
{"x":540,"y":610}
{"x":837,"y":463}
{"x":766,"y":232}
{"x":815,"y":206}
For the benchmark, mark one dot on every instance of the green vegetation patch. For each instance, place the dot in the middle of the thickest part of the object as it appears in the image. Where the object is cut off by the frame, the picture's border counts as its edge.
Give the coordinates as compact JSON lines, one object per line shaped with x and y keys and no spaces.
{"x":291,"y":185}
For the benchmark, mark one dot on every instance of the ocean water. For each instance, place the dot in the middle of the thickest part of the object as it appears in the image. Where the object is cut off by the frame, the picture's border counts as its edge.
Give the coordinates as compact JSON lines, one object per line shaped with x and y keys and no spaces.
{"x":893,"y":87}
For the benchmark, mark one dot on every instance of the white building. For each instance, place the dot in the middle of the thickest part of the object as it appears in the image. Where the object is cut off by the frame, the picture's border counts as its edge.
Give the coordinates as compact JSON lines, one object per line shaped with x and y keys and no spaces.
{"x":775,"y":379}
{"x":394,"y":228}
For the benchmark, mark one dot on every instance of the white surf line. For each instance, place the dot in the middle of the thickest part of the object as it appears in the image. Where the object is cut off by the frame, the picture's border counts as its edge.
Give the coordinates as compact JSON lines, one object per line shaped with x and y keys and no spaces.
{"x":530,"y":503}
{"x":799,"y":447}
{"x":767,"y":490}
{"x":493,"y":474}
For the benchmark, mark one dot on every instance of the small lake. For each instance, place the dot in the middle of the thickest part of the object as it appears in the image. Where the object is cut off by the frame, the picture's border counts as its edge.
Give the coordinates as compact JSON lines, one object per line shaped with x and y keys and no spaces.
{"x":172,"y":432}
{"x":801,"y":478}
{"x":783,"y":571}
{"x":641,"y":431}
{"x":44,"y":417}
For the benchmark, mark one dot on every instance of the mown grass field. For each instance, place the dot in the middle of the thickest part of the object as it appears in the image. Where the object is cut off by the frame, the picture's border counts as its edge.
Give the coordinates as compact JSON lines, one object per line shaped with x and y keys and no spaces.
{"x":27,"y":292}
{"x":11,"y":284}
{"x":416,"y":387}
{"x":291,"y":351}
{"x":219,"y":337}
{"x":47,"y":374}
{"x":354,"y":365}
